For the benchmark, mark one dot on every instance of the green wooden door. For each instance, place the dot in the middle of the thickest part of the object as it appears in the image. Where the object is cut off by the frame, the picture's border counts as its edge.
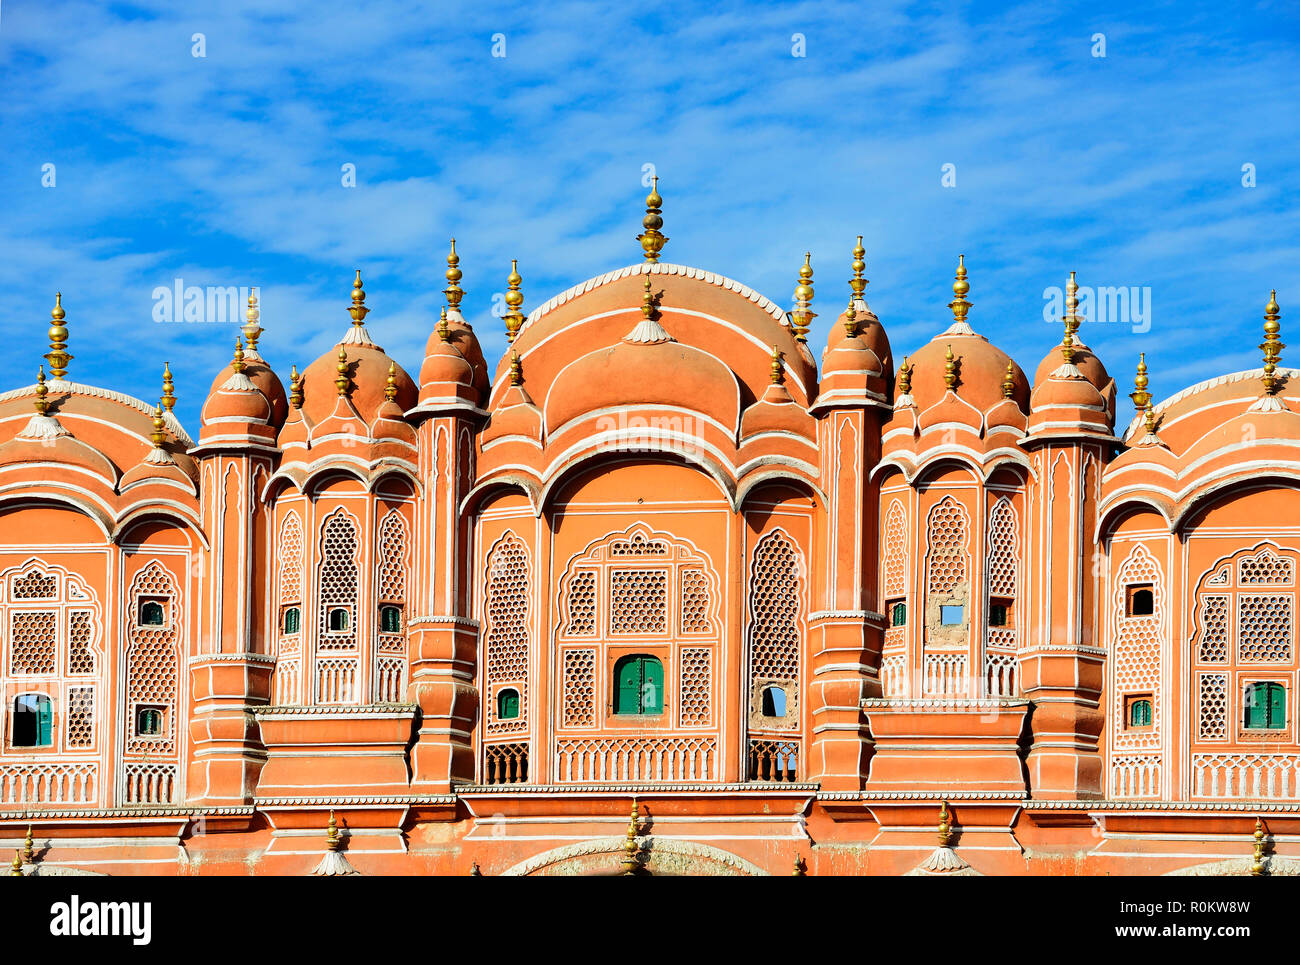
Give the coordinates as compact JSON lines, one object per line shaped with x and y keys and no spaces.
{"x":1276,"y":706}
{"x":44,"y":722}
{"x":652,"y":686}
{"x":639,"y":685}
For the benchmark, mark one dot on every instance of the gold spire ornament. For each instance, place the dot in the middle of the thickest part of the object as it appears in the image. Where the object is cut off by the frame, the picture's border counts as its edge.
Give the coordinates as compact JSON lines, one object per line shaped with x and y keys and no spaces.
{"x":1067,"y":346}
{"x":516,"y":369}
{"x":514,"y":318}
{"x":1140,"y":396}
{"x":390,"y":387}
{"x":802,"y":316}
{"x":1071,"y":316}
{"x":1257,"y":860}
{"x":1009,"y":383}
{"x":945,"y":827}
{"x":648,"y":307}
{"x":652,"y":239}
{"x":778,"y":366}
{"x":959,"y":305}
{"x":851,"y":318}
{"x":905,"y":378}
{"x":42,"y":406}
{"x":951,"y":367}
{"x":29,"y":848}
{"x":475,"y":871}
{"x":169,"y":388}
{"x":252,"y":322}
{"x":16,"y":866}
{"x":342,"y":382}
{"x":1272,"y":345}
{"x":237,"y":364}
{"x":159,"y":433}
{"x":800,"y":869}
{"x":444,"y":328}
{"x":332,"y":833}
{"x":453,"y":291}
{"x":858,"y":283}
{"x":295,"y":388}
{"x":358,"y":309}
{"x":58,"y":356}
{"x":631,"y":846}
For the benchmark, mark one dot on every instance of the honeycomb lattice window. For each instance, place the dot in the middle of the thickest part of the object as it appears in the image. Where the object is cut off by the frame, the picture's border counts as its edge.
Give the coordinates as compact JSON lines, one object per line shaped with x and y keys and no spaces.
{"x":1263,"y":627}
{"x":152,"y":662}
{"x":81,"y":657}
{"x":695,"y":601}
{"x":579,"y":696}
{"x":81,"y":717}
{"x":1214,"y":707}
{"x":696,"y":687}
{"x":895,"y":550}
{"x":1002,"y":556}
{"x":582,"y":604}
{"x":637,"y":545}
{"x":33,"y":641}
{"x":1138,"y":648}
{"x":774,"y":610}
{"x":35,"y":585}
{"x":288,"y":550}
{"x":947,"y":533}
{"x":506,"y":640}
{"x":338,"y":580}
{"x":1265,"y":568}
{"x":392,"y":556}
{"x":1213,"y":645}
{"x":638,"y":601}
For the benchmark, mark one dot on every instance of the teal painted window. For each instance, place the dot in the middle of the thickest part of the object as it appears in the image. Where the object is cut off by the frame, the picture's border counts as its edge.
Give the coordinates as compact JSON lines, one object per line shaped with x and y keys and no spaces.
{"x":1265,"y":707}
{"x":292,"y":619}
{"x":338,"y":619}
{"x":149,"y":721}
{"x":898,"y":615}
{"x":507,"y":704}
{"x":33,"y":724}
{"x":952,"y":616}
{"x":390,"y":619}
{"x":151,"y":614}
{"x":1139,"y":713}
{"x":639,"y":685}
{"x":773,"y":702}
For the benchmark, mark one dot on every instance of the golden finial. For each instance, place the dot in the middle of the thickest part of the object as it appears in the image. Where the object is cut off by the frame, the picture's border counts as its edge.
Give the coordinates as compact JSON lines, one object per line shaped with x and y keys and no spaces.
{"x":453,"y":290}
{"x":58,"y":356}
{"x":1071,"y":316}
{"x":803,"y":314}
{"x":1067,"y":345}
{"x":516,"y":369}
{"x":905,"y":378}
{"x":169,"y":388}
{"x":1140,"y":396}
{"x":858,"y":283}
{"x":358,"y":309}
{"x":29,"y":849}
{"x":1272,"y":344}
{"x":959,"y":305}
{"x":951,"y":365}
{"x":42,"y":406}
{"x":295,"y":388}
{"x":475,"y":871}
{"x":778,"y":366}
{"x":332,"y":833}
{"x":390,"y":388}
{"x":252,"y":325}
{"x":649,"y":303}
{"x":444,"y":329}
{"x":237,"y":364}
{"x":800,"y":869}
{"x":16,"y":866}
{"x":630,"y":845}
{"x":159,"y":433}
{"x":945,"y":829}
{"x":851,"y":318}
{"x":1009,"y":383}
{"x":652,"y":239}
{"x":342,"y":382}
{"x":1257,"y":864}
{"x":514,"y":298}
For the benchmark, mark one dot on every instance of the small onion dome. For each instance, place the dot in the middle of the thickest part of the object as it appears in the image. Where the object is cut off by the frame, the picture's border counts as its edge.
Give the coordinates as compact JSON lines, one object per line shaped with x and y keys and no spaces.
{"x":647,"y":367}
{"x":446,"y":373}
{"x":465,"y":341}
{"x":368,"y":376}
{"x":255,"y":367}
{"x":854,"y":362}
{"x":1085,"y":361}
{"x":1068,"y":397}
{"x":234,"y":399}
{"x":390,"y":423}
{"x":776,"y":411}
{"x":980,"y":369}
{"x":864,"y":322}
{"x":515,"y":415}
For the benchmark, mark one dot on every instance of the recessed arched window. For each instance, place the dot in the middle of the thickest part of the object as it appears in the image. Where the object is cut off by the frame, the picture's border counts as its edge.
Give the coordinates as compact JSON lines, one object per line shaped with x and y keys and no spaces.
{"x":292,"y":619}
{"x":507,"y":704}
{"x":1265,"y":707}
{"x":151,"y":614}
{"x":1141,"y":601}
{"x":33,"y":721}
{"x":148,"y":721}
{"x":998,"y":615}
{"x":639,"y":685}
{"x":1139,"y":712}
{"x":338,"y":620}
{"x":390,"y":619}
{"x":773,"y":702}
{"x":898,"y":615}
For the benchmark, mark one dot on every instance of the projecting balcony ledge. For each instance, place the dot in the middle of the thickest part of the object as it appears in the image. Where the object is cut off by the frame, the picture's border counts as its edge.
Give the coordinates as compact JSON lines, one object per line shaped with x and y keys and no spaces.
{"x":344,"y":750}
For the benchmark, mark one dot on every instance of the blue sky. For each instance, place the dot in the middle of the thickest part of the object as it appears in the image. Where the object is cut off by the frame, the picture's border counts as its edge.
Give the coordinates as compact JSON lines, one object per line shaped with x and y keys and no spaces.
{"x":226,"y":169}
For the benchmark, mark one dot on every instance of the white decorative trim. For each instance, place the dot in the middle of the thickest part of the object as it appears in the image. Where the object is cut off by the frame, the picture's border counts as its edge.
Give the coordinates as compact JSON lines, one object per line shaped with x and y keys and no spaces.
{"x":95,"y":392}
{"x":648,"y":332}
{"x":650,"y":845}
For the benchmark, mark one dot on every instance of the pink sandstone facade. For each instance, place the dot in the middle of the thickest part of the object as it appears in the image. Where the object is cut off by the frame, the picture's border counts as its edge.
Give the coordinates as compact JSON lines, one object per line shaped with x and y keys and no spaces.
{"x":803,"y":610}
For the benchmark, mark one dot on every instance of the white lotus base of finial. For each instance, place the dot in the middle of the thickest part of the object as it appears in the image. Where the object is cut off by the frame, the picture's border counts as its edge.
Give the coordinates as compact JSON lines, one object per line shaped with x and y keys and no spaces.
{"x":239,"y":382}
{"x":333,"y":865}
{"x":648,"y":332}
{"x":43,"y":427}
{"x":1268,"y":403}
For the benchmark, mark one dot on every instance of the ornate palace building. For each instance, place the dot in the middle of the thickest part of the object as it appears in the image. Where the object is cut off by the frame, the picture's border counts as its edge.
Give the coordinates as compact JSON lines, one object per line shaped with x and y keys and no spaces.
{"x":844,"y":611}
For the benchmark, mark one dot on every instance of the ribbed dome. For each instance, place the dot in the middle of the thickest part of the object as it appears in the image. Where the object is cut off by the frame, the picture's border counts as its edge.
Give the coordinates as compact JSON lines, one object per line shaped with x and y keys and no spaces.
{"x":981,"y":369}
{"x":367,"y":370}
